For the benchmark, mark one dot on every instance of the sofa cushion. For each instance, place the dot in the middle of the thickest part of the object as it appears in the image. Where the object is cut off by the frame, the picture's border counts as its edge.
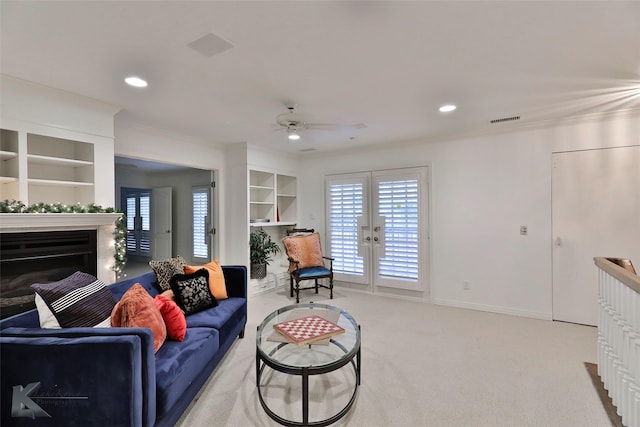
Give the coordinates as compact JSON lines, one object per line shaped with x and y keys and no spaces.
{"x":165,"y":269}
{"x":192,"y":291}
{"x":137,"y":309}
{"x":173,"y":317}
{"x":225,"y":317}
{"x":217,"y":284}
{"x":179,"y":363}
{"x":77,"y":300}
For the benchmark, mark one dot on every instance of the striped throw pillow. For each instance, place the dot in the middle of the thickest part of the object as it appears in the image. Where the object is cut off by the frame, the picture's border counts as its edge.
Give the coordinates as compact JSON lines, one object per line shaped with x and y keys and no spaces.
{"x":78,"y":300}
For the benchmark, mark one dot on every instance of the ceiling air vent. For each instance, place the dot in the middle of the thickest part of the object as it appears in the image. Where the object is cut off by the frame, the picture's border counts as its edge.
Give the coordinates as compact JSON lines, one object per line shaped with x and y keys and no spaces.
{"x":306,"y":150}
{"x":505,"y":119}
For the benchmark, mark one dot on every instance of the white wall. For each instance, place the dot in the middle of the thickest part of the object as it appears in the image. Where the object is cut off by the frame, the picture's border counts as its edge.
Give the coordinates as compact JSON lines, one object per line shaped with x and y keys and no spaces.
{"x":482,"y":190}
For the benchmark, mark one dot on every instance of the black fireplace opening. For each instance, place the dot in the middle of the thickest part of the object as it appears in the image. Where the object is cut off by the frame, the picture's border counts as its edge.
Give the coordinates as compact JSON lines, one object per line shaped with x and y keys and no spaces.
{"x":41,"y":257}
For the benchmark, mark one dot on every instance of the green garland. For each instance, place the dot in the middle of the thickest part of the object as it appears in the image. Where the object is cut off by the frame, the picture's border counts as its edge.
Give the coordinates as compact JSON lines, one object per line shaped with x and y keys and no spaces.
{"x":120,"y":233}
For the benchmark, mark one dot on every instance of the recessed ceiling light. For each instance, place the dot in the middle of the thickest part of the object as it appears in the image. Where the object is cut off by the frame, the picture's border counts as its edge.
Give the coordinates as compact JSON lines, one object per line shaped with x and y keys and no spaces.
{"x":135,"y":81}
{"x":447,"y":108}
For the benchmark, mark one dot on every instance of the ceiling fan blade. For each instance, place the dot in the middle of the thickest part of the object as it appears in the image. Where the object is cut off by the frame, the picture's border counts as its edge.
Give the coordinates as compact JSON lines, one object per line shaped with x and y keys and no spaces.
{"x":335,"y":126}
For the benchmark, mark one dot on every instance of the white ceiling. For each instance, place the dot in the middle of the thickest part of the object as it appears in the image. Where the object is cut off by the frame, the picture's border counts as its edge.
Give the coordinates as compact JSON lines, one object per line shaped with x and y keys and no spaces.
{"x":388,"y":64}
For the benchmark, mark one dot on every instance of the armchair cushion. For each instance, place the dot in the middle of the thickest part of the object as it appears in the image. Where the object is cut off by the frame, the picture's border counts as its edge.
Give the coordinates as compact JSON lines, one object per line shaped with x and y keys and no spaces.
{"x":306,"y":250}
{"x":313,"y":272}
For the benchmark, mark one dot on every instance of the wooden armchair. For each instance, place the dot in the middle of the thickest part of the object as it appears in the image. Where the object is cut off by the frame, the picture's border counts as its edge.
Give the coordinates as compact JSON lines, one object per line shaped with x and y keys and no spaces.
{"x":306,"y":261}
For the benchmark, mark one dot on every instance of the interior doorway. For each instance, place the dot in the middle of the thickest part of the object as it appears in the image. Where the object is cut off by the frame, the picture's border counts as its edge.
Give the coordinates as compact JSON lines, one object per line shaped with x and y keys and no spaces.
{"x":173,"y":220}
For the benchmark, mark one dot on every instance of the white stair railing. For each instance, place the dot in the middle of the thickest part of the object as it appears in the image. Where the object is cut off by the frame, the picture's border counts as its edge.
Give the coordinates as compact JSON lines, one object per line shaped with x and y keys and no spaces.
{"x":619,"y":338}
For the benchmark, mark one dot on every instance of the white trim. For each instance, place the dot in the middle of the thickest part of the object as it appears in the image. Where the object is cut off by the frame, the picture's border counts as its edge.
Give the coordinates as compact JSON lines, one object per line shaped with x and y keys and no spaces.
{"x":493,"y":309}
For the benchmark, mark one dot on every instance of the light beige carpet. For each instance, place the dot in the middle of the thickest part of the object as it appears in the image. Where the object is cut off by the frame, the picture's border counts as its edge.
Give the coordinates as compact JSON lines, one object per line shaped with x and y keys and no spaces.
{"x":422,"y":365}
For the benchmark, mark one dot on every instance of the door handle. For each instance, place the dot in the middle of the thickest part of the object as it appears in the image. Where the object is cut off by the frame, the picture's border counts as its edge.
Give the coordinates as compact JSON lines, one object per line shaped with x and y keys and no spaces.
{"x":368,"y":238}
{"x":375,"y":239}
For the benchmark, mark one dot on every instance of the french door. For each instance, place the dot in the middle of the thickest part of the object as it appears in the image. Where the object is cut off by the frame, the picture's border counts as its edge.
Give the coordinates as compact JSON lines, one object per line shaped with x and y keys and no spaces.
{"x":377,"y":228}
{"x":136,"y":206}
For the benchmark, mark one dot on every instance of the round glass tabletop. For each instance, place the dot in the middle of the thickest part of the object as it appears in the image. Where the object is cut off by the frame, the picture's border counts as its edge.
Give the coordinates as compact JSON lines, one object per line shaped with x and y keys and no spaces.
{"x":322,"y":355}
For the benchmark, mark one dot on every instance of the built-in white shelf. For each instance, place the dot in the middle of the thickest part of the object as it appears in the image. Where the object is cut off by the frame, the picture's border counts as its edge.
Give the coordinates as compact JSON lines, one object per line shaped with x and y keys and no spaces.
{"x":272,"y":224}
{"x":58,"y":183}
{"x":57,"y":161}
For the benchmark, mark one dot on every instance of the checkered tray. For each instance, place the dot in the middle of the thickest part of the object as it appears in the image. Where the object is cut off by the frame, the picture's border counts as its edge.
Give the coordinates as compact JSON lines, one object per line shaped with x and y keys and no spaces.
{"x":308,"y":329}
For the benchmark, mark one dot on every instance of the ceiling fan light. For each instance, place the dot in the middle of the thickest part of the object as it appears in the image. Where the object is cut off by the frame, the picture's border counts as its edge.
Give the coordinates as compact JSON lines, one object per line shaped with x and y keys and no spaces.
{"x":447,"y":108}
{"x":294,"y":136}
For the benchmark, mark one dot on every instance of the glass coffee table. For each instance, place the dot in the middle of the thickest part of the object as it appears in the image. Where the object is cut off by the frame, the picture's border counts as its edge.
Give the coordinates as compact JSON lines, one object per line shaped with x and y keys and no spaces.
{"x":275,"y":351}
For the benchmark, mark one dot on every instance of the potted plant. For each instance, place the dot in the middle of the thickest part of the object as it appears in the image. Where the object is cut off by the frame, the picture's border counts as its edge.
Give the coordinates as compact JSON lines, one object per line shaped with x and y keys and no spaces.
{"x":262,"y":249}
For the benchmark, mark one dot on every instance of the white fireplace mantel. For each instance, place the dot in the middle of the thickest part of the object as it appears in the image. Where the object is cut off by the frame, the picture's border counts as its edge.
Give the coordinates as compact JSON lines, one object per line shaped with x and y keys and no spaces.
{"x":104,"y":223}
{"x":23,"y":222}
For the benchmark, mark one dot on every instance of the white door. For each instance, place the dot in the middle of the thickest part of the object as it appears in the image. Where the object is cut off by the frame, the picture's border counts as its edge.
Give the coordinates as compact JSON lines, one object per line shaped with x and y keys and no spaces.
{"x":377,"y":228}
{"x":161,"y":224}
{"x":595,"y":212}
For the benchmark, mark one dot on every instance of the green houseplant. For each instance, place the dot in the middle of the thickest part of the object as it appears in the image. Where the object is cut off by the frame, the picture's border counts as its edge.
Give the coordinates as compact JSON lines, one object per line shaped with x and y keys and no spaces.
{"x":262,"y":249}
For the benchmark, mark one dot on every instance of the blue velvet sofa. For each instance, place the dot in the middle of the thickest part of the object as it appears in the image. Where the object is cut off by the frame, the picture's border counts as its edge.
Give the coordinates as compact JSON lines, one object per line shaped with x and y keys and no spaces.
{"x":111,"y":376}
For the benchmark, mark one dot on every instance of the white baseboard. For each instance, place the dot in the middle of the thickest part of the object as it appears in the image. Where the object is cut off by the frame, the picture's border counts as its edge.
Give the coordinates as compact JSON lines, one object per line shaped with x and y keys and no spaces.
{"x":493,"y":309}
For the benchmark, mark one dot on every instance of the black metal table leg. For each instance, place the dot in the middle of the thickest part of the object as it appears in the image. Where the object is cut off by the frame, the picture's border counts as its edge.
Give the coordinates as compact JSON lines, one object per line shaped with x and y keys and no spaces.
{"x":305,"y":396}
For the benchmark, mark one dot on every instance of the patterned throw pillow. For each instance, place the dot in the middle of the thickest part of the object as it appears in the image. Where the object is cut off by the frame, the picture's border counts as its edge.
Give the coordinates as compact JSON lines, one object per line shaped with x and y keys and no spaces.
{"x":165,"y":269}
{"x":79,"y":300}
{"x":304,"y":249}
{"x":192,"y":291}
{"x":217,"y":284}
{"x":137,"y":309}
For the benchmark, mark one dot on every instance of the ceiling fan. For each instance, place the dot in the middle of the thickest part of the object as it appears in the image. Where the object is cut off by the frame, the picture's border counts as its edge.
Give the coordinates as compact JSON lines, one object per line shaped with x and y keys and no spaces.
{"x":295,"y":123}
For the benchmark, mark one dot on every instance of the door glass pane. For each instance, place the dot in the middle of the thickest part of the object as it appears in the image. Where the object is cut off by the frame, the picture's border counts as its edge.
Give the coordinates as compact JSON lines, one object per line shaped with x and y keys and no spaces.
{"x":398,"y":204}
{"x":345,"y":206}
{"x":130,"y":212}
{"x":145,"y":219}
{"x":200,"y":215}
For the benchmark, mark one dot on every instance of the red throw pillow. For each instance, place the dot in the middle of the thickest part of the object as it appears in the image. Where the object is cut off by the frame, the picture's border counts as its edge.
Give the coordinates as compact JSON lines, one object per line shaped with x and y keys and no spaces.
{"x":136,"y":309}
{"x":173,"y":317}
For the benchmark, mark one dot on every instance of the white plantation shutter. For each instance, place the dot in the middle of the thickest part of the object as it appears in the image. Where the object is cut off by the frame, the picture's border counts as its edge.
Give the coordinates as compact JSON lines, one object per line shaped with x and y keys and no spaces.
{"x":398,"y":204}
{"x":200,"y":213}
{"x":345,"y":206}
{"x":131,"y":227}
{"x":137,"y":204}
{"x":145,"y":218}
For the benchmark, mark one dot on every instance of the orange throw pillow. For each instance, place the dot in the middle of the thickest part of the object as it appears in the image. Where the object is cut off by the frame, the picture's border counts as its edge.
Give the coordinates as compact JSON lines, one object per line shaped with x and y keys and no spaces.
{"x":304,"y":249}
{"x":217,"y":285}
{"x":137,"y":309}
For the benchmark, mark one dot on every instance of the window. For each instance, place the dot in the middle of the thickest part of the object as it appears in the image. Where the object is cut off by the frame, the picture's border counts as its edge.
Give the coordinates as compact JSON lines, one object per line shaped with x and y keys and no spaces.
{"x":345,"y":206}
{"x":398,"y":204}
{"x":201,"y":222}
{"x":137,"y":209}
